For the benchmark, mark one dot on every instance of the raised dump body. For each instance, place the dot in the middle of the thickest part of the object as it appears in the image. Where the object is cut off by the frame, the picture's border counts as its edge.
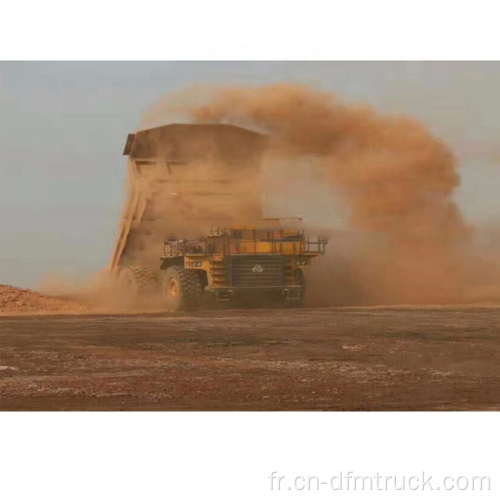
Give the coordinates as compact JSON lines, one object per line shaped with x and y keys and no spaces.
{"x":183,"y":178}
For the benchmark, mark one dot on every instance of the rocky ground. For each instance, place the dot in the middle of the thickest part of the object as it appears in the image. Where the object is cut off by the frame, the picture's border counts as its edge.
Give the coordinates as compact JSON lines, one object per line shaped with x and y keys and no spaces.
{"x":15,"y":300}
{"x":441,"y":358}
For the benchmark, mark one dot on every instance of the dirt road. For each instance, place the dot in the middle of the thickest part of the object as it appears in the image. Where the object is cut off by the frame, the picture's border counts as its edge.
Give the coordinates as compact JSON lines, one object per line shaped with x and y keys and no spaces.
{"x":310,"y":359}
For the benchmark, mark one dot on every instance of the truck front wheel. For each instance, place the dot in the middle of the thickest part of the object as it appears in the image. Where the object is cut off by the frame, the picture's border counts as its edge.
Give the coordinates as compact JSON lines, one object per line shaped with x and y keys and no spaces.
{"x":181,"y":288}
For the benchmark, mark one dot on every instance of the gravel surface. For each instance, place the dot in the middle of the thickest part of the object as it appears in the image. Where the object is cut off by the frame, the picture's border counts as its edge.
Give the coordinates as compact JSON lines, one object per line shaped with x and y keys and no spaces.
{"x":443,"y":358}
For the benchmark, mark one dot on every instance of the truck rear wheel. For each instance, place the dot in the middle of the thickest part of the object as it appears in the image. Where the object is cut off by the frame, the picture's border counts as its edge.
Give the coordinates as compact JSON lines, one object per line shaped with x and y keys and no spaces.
{"x":180,"y":288}
{"x":138,"y":280}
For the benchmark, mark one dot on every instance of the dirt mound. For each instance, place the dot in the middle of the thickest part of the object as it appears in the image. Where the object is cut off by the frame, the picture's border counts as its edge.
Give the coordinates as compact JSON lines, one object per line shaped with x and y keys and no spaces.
{"x":15,"y":300}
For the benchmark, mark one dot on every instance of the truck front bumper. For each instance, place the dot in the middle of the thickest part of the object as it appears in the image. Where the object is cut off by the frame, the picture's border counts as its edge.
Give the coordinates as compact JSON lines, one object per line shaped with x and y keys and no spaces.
{"x":291,"y":292}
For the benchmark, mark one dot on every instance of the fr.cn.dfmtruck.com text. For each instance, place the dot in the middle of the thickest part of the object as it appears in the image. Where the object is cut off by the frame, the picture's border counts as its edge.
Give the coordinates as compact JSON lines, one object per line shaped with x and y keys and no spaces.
{"x":349,"y":481}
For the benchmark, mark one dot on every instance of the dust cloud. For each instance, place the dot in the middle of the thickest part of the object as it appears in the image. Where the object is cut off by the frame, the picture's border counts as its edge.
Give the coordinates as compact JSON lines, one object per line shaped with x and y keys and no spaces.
{"x":102,"y":292}
{"x":403,"y":239}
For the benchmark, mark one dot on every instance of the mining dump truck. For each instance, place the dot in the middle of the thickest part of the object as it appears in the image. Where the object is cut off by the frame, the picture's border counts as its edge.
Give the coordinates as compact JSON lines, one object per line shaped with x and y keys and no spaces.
{"x":184,"y":233}
{"x":262,"y":265}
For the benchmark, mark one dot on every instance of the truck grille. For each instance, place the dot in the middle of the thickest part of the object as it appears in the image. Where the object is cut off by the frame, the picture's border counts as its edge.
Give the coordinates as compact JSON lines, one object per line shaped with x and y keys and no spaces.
{"x":256,"y":271}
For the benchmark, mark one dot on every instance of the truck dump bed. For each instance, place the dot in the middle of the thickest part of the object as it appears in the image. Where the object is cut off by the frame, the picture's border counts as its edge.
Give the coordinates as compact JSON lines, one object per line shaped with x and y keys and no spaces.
{"x":183,"y":178}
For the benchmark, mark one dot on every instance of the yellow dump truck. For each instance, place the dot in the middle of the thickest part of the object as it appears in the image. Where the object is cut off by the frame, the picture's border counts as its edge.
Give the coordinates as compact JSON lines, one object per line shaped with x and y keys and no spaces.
{"x":185,"y":233}
{"x":264,"y":264}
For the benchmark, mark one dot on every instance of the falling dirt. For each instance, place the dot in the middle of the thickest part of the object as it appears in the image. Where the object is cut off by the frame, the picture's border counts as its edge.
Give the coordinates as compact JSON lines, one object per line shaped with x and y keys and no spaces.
{"x":407,"y":241}
{"x":183,"y":180}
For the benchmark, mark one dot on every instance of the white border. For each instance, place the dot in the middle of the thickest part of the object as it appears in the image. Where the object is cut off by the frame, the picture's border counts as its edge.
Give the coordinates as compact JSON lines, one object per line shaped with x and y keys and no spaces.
{"x":260,"y":30}
{"x":231,"y":455}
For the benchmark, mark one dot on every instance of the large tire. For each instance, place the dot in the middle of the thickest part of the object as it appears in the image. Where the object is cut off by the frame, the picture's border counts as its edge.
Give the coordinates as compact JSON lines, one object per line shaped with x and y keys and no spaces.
{"x":181,"y":288}
{"x":138,"y":281}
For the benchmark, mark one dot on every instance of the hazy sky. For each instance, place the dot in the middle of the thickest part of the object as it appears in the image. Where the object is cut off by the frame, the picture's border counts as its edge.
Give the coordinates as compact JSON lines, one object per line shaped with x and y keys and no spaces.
{"x":63,"y":126}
